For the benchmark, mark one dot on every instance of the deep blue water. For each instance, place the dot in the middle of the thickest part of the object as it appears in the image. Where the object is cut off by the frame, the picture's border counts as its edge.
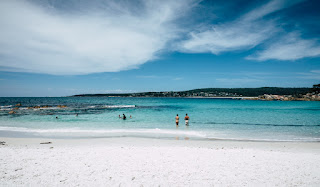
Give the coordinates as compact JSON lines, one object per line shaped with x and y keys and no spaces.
{"x":155,"y":118}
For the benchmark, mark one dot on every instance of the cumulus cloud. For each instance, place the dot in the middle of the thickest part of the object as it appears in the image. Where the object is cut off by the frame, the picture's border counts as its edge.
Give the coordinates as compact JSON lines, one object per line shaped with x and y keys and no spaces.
{"x":289,"y":47}
{"x":113,"y":36}
{"x":82,"y":37}
{"x":245,"y":32}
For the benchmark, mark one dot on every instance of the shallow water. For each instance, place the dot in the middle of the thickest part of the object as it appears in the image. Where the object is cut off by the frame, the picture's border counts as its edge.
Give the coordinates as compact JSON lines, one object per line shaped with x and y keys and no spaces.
{"x":155,"y":118}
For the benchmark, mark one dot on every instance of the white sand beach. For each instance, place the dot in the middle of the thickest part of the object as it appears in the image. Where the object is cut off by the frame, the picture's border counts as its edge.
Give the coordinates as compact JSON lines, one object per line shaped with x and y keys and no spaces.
{"x":154,"y":162}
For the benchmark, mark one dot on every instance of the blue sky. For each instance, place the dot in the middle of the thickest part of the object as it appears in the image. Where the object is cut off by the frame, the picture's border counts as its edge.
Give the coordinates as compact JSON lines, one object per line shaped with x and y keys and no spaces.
{"x":60,"y":48}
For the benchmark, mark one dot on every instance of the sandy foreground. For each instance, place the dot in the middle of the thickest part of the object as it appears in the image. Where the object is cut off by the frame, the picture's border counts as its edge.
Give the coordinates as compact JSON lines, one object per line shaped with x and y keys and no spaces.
{"x":154,"y":162}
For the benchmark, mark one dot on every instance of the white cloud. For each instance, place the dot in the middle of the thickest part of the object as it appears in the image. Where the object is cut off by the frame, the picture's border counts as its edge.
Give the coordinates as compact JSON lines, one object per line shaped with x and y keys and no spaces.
{"x":238,"y":80}
{"x":246,"y":32}
{"x":41,"y":39}
{"x":148,"y":76}
{"x":228,"y":37}
{"x":177,"y":78}
{"x":76,"y":91}
{"x":313,"y":75}
{"x":159,"y":77}
{"x":289,"y":47}
{"x":111,"y":36}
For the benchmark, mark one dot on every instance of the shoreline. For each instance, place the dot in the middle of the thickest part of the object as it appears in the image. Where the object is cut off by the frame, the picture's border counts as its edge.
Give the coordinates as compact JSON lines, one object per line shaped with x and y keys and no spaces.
{"x":248,"y":98}
{"x":195,"y":97}
{"x":23,"y":135}
{"x":181,"y":135}
{"x":145,"y":141}
{"x":154,"y":162}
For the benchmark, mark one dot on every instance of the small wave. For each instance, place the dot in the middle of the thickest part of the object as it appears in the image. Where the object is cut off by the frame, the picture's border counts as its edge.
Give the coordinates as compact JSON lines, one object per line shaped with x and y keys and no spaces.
{"x":23,"y":108}
{"x":5,"y":109}
{"x":110,"y":106}
{"x":119,"y":106}
{"x":75,"y":132}
{"x":142,"y":133}
{"x":6,"y":106}
{"x":55,"y":108}
{"x":30,"y":108}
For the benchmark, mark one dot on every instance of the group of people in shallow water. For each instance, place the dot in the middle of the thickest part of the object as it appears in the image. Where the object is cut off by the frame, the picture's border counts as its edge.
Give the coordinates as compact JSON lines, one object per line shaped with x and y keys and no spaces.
{"x":124,"y":116}
{"x":186,"y":119}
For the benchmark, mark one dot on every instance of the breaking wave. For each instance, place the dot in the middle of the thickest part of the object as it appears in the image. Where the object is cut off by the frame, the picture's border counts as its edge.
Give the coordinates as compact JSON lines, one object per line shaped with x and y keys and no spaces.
{"x":91,"y":133}
{"x":137,"y":133}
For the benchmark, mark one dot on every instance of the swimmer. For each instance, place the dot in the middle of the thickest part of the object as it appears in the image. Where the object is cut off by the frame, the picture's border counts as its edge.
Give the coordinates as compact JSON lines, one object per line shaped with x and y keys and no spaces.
{"x":120,"y":116}
{"x":124,"y":117}
{"x":130,"y":116}
{"x":77,"y":115}
{"x":56,"y":117}
{"x":187,"y":120}
{"x":177,"y":119}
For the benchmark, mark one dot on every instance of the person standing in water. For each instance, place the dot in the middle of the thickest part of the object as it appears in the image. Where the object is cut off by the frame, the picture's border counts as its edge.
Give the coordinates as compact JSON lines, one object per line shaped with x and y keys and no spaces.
{"x":124,"y":117}
{"x":187,"y":120}
{"x":177,"y":119}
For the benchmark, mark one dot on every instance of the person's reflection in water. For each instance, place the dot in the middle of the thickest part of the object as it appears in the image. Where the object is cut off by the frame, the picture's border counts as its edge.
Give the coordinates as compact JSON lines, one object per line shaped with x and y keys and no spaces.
{"x":187,"y":128}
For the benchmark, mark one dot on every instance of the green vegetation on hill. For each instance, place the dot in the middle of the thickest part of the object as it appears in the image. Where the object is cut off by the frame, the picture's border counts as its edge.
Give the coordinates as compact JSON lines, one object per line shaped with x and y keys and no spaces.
{"x":215,"y":92}
{"x":316,"y":88}
{"x":253,"y":92}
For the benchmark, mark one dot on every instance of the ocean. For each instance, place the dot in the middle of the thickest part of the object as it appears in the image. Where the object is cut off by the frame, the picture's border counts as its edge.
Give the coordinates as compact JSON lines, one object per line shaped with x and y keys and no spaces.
{"x":210,"y":119}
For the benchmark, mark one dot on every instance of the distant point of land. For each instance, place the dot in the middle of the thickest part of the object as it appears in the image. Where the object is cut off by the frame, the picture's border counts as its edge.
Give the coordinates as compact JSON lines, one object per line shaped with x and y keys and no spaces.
{"x":216,"y":92}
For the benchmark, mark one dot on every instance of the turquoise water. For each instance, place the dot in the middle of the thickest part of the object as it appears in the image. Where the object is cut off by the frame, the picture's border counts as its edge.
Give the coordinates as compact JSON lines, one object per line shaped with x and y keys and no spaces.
{"x":155,"y":118}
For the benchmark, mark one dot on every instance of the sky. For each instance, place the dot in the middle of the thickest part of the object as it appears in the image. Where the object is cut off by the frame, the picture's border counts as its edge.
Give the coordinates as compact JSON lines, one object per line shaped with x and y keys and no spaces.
{"x":54,"y":48}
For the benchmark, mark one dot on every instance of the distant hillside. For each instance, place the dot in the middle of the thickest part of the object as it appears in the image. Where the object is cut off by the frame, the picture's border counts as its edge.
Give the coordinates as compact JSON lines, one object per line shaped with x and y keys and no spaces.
{"x":253,"y":92}
{"x":211,"y":92}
